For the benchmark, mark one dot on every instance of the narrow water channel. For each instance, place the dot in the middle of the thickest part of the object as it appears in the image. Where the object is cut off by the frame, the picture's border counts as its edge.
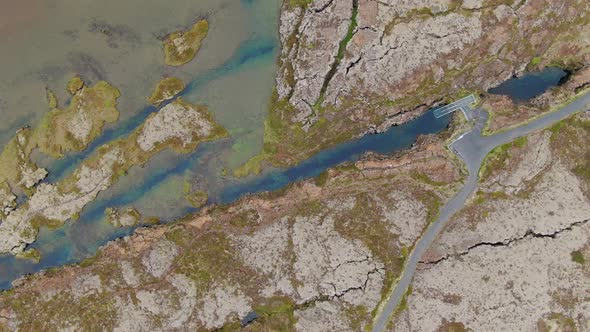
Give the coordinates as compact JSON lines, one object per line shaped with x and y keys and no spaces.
{"x":530,"y":85}
{"x":80,"y":239}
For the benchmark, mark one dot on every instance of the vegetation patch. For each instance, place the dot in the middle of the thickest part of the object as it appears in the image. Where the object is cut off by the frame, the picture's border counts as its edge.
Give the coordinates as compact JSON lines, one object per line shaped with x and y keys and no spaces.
{"x":499,"y":157}
{"x":357,"y":315}
{"x":578,"y":257}
{"x":252,"y":167}
{"x":30,"y":254}
{"x":197,"y":199}
{"x":274,"y":314}
{"x":166,"y":89}
{"x":556,"y":322}
{"x":207,"y":258}
{"x":181,"y":47}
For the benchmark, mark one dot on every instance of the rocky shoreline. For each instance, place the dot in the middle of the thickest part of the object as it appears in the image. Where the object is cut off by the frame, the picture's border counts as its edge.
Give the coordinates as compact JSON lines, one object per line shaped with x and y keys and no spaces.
{"x":356,"y":66}
{"x":323,"y":251}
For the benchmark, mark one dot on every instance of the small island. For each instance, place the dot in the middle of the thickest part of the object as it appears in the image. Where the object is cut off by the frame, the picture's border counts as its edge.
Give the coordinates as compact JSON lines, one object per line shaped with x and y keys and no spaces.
{"x":166,"y":89}
{"x":180,"y":126}
{"x":123,"y":218}
{"x":60,"y":131}
{"x":181,"y":47}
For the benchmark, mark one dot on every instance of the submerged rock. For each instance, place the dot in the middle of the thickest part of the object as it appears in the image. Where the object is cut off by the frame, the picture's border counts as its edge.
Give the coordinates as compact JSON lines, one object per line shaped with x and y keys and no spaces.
{"x":126,"y":218}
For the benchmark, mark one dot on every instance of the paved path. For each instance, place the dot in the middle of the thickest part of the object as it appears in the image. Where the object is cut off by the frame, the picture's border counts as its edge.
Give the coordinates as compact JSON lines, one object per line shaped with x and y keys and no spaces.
{"x":472,"y":148}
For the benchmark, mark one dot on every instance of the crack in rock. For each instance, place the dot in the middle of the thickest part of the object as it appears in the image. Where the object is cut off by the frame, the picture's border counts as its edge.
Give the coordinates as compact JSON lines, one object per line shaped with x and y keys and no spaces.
{"x":507,"y":242}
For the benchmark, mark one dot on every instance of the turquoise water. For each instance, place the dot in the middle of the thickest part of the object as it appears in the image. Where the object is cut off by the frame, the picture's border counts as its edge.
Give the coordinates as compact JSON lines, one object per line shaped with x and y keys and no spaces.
{"x":241,"y":48}
{"x":530,"y":85}
{"x":82,"y":238}
{"x":250,"y":51}
{"x":235,"y":80}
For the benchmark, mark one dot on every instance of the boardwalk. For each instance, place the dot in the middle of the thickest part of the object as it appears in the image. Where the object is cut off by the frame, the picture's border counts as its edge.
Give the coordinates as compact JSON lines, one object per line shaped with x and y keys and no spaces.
{"x":462,"y":104}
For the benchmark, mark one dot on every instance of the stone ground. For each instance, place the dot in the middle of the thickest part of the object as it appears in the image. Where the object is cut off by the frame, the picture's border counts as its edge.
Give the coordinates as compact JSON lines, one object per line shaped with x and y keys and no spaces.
{"x":364,"y":65}
{"x":516,"y":258}
{"x":322,"y":253}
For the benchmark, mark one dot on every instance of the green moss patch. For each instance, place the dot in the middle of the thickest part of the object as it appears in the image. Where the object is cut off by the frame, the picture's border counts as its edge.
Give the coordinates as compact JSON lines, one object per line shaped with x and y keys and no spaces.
{"x":166,"y":89}
{"x":499,"y":158}
{"x":578,"y":257}
{"x":73,"y":128}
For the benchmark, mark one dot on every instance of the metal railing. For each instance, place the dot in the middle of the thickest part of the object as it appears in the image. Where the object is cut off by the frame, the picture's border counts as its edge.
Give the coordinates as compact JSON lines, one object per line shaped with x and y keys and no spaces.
{"x":461,"y":104}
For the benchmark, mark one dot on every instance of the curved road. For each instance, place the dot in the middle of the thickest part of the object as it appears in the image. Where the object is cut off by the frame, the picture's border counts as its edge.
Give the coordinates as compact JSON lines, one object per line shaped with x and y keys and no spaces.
{"x":472,"y":148}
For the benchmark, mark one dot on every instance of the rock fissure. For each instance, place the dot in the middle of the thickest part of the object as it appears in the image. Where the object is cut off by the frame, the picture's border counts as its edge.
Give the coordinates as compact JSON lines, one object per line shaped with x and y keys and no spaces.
{"x":322,"y":8}
{"x":507,"y":242}
{"x":341,"y":49}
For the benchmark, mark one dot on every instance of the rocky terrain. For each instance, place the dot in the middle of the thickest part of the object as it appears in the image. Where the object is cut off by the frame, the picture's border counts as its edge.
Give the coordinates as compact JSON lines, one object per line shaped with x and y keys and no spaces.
{"x":355,"y":66}
{"x":59,"y":132}
{"x":321,"y":254}
{"x":516,"y":257}
{"x":505,"y":114}
{"x":179,"y":125}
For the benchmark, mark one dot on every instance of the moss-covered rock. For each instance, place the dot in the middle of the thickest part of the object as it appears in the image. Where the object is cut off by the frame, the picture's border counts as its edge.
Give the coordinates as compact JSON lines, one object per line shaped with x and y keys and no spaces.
{"x":166,"y":89}
{"x":181,"y":47}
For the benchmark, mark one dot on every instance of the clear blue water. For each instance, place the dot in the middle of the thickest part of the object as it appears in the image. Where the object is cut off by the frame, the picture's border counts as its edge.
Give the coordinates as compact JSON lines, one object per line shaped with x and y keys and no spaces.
{"x":80,"y":239}
{"x":249,"y":51}
{"x":255,"y":57}
{"x":395,"y":139}
{"x":58,"y":249}
{"x":530,"y":85}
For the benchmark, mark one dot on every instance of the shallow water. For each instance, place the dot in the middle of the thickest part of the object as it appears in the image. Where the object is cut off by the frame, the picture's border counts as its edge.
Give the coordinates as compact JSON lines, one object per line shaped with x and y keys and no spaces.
{"x":233,"y":74}
{"x":530,"y":85}
{"x":80,"y":239}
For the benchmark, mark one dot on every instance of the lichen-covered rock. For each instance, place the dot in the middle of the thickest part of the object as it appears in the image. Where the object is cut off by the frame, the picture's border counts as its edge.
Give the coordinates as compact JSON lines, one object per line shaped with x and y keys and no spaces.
{"x":159,"y":260}
{"x":327,"y":264}
{"x":357,"y":66}
{"x":532,"y":186}
{"x":319,"y":255}
{"x":516,"y":257}
{"x":518,"y":286}
{"x":324,"y":316}
{"x":221,"y":303}
{"x":178,"y":122}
